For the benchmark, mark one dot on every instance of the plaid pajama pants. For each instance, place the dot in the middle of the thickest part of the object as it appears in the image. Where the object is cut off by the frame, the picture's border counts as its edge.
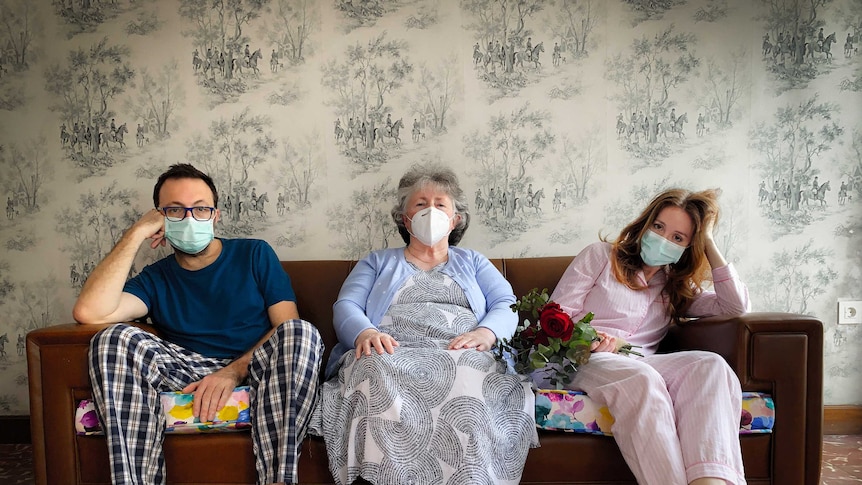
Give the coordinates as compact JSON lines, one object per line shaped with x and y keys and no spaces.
{"x":129,"y":367}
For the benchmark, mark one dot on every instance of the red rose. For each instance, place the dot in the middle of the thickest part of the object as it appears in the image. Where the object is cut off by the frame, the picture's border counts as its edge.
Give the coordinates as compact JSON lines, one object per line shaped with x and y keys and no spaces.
{"x":555,"y":322}
{"x":551,"y":305}
{"x":541,"y":337}
{"x":528,"y":334}
{"x":533,"y":336}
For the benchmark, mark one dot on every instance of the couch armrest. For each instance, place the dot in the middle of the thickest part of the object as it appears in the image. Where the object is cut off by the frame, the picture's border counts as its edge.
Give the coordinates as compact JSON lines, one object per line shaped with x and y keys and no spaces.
{"x":58,"y":375}
{"x":778,"y":353}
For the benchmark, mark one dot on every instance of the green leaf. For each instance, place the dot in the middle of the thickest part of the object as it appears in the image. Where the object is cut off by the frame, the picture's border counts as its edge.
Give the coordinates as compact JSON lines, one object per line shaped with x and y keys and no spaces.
{"x":537,"y":360}
{"x":544,"y":349}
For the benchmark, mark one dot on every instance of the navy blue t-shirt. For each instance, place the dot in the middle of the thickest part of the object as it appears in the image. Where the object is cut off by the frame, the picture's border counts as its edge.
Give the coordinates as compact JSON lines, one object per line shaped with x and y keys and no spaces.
{"x":218,"y":311}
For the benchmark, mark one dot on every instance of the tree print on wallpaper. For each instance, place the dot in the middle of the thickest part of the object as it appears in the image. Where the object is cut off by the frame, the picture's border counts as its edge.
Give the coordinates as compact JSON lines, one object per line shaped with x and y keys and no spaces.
{"x":223,"y":60}
{"x":88,"y":15}
{"x":366,"y":13}
{"x":796,"y":45}
{"x":584,"y":158}
{"x":230,"y":153}
{"x":27,"y":170}
{"x":364,"y":222}
{"x":574,"y":25}
{"x":105,"y":215}
{"x":651,"y":75}
{"x":300,"y":170}
{"x":506,"y":55}
{"x":437,"y":88}
{"x":86,"y":87}
{"x":21,"y":23}
{"x":794,"y":278}
{"x":369,"y":76}
{"x":793,"y":150}
{"x":851,"y":14}
{"x":36,"y":305}
{"x":156,"y":105}
{"x":724,"y":90}
{"x":553,"y":135}
{"x":851,"y":169}
{"x":503,"y":154}
{"x":290,"y":31}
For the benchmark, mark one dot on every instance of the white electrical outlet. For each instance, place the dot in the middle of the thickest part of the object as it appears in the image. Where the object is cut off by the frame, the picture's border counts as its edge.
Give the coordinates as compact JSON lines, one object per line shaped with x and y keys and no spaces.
{"x":850,"y":312}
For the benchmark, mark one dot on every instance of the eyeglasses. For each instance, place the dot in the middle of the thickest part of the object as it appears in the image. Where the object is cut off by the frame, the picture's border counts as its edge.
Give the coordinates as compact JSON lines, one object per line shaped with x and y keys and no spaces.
{"x":176,"y":214}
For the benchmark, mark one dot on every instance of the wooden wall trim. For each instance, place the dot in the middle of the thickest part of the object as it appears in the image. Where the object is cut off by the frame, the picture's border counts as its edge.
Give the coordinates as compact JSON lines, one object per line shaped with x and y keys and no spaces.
{"x":842,"y":419}
{"x":836,"y":420}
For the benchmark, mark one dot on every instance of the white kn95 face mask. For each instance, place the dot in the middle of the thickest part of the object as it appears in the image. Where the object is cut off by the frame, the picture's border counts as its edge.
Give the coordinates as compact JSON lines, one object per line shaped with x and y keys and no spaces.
{"x":430,"y":225}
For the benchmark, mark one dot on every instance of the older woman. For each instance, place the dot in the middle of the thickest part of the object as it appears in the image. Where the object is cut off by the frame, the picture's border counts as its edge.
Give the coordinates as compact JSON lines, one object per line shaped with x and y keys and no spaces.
{"x":418,"y":397}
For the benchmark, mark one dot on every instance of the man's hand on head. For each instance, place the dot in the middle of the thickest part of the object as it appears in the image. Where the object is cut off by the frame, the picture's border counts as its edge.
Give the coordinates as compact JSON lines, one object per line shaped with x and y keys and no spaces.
{"x":212,"y":392}
{"x":151,"y":225}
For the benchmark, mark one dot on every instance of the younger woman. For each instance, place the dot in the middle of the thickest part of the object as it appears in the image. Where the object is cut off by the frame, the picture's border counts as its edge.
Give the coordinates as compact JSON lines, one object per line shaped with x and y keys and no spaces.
{"x":677,"y":415}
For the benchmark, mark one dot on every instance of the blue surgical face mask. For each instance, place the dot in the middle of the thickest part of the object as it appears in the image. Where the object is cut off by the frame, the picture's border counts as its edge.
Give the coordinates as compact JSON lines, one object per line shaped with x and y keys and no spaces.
{"x":189,"y":235}
{"x":658,"y":251}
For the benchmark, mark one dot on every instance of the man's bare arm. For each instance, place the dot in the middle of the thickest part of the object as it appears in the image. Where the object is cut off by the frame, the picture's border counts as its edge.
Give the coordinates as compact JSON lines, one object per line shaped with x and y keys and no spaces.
{"x":102,"y":299}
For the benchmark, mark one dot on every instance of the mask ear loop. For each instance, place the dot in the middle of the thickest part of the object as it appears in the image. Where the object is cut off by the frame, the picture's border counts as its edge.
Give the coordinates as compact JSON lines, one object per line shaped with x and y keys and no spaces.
{"x":411,"y":224}
{"x":405,"y":216}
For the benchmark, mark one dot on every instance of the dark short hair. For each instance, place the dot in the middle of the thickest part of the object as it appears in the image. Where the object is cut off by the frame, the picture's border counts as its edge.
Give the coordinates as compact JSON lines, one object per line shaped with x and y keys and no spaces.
{"x":445,"y":179}
{"x":183,"y":171}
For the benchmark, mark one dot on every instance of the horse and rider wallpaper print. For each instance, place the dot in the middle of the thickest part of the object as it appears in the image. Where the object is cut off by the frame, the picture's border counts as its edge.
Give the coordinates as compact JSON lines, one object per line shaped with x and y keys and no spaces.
{"x":561,"y":117}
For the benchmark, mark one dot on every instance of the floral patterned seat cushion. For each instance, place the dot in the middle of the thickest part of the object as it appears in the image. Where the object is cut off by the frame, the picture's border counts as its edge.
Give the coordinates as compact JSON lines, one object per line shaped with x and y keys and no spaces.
{"x":574,"y":411}
{"x":571,"y":411}
{"x":234,"y":416}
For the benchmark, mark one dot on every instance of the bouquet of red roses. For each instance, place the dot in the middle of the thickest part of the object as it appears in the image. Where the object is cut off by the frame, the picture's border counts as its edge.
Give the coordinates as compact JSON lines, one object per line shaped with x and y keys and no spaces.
{"x":550,"y":341}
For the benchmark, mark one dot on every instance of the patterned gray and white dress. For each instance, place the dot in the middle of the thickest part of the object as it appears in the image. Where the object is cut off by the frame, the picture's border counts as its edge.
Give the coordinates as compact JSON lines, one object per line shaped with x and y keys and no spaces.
{"x":426,"y":415}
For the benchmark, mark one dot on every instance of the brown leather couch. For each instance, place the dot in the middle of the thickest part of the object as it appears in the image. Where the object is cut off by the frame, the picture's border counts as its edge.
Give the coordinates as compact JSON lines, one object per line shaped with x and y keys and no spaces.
{"x":778,"y":353}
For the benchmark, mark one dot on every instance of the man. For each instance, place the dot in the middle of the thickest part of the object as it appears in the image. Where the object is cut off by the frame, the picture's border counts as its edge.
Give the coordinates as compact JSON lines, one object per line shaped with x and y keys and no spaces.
{"x":228,"y":315}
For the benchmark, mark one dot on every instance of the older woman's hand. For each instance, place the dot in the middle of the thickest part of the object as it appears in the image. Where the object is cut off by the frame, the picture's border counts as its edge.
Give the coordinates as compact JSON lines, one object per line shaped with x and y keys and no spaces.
{"x":372,"y":338}
{"x":481,"y":339}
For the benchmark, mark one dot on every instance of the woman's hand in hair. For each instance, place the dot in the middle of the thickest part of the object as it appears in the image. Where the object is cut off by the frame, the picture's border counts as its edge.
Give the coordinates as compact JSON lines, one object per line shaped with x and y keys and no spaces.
{"x":713,"y":254}
{"x":709,"y":224}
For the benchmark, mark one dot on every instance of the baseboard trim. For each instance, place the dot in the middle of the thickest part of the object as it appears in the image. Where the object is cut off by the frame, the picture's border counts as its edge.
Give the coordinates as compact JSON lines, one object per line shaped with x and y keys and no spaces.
{"x":14,"y":429}
{"x":842,"y":420}
{"x":836,"y":420}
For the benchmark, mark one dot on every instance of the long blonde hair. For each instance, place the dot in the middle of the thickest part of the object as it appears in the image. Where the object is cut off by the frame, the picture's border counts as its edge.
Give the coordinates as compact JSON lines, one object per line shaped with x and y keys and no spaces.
{"x":684,"y":278}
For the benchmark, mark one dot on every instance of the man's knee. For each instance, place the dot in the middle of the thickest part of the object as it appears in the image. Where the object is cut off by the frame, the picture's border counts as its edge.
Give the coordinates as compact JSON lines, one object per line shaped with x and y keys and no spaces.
{"x":113,"y":337}
{"x":298,"y":332}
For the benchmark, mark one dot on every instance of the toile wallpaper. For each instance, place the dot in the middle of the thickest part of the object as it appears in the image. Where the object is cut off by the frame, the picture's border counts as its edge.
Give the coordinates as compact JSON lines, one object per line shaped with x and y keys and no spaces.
{"x":562,"y":118}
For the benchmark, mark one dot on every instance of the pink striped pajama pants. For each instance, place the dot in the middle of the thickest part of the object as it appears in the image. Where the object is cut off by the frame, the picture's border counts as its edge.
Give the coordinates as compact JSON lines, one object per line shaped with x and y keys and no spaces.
{"x":676,"y":415}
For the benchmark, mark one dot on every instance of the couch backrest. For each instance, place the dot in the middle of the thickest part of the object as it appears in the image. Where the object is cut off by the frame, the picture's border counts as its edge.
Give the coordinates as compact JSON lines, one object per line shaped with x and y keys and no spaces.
{"x":317,"y":284}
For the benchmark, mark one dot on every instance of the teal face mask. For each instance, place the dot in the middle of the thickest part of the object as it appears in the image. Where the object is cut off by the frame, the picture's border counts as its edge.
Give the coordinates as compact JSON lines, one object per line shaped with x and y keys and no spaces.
{"x":189,"y":235}
{"x":658,"y":251}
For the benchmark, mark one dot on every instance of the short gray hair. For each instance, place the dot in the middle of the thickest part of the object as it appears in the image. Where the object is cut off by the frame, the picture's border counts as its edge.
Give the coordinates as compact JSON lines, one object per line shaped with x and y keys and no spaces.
{"x":443,"y":178}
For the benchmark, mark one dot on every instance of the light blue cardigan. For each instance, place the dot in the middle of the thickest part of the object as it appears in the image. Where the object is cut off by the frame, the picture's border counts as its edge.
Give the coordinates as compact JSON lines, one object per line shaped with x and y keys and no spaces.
{"x":368,"y":291}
